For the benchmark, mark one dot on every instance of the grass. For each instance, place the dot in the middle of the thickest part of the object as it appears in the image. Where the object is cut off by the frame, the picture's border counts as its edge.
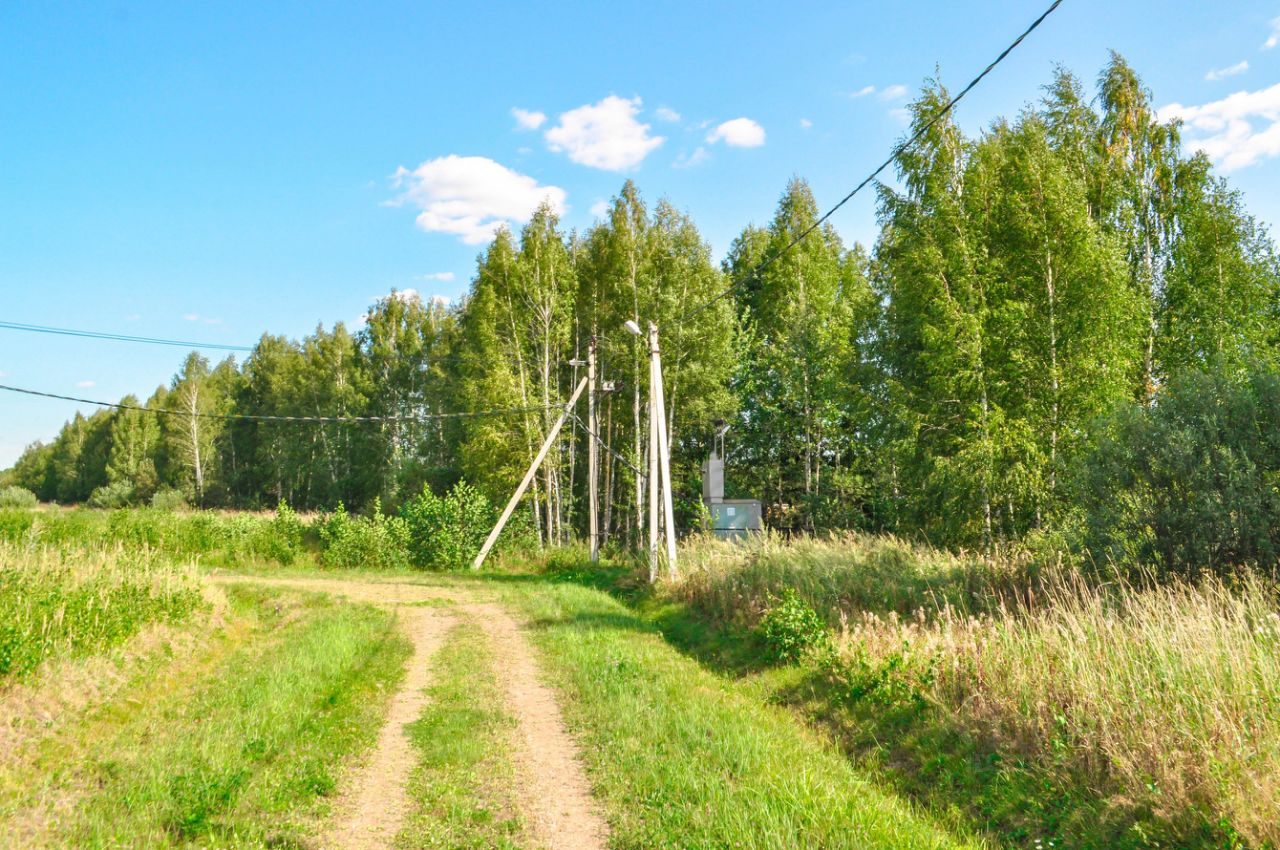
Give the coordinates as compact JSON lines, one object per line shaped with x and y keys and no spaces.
{"x":461,"y":788}
{"x":73,"y":603}
{"x":241,"y":756}
{"x":679,"y":758}
{"x":1067,"y":712}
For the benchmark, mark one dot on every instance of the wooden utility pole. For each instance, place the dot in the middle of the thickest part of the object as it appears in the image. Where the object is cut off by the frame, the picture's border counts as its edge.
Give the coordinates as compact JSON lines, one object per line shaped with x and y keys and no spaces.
{"x":593,"y":455}
{"x":528,"y":476}
{"x":653,"y":453}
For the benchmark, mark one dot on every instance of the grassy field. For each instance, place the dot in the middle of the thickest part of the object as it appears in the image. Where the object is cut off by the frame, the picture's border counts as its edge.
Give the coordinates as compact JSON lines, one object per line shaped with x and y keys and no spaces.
{"x":930,"y":700}
{"x":1042,"y":704}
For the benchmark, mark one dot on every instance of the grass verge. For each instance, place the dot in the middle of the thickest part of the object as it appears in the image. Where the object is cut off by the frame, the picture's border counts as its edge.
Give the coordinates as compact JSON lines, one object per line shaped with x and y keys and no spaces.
{"x":241,"y":758}
{"x":680,"y":758}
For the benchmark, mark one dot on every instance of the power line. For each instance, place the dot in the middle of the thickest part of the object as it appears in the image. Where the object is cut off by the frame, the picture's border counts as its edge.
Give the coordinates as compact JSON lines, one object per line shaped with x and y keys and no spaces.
{"x":897,"y":151}
{"x":270,"y":418}
{"x":44,"y":329}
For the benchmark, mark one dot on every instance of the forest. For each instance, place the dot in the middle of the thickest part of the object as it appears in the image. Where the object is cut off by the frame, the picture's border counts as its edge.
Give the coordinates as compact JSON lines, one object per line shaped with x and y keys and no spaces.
{"x":1066,"y":332}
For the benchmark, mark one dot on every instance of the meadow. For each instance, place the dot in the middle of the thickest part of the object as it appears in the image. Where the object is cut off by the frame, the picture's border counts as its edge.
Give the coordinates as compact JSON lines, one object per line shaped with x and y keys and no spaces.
{"x":856,"y":688}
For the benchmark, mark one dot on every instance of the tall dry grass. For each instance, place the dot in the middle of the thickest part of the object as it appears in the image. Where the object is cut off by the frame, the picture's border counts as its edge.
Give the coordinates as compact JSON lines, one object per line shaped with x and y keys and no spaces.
{"x":68,"y":602}
{"x":1162,"y":697}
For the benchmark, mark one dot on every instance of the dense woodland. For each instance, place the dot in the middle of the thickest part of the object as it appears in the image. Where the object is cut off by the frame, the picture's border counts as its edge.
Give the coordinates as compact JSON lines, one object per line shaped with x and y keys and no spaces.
{"x":991,"y":370}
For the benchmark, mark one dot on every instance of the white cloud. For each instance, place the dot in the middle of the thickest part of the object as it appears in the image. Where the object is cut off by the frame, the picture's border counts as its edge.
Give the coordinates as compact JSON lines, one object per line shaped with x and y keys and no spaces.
{"x":404,"y":296}
{"x":863,"y":92}
{"x":441,"y":276}
{"x":191,"y":317}
{"x":471,"y":196}
{"x":699,"y":156}
{"x":527,"y":119}
{"x":213,"y":321}
{"x":439,"y":300}
{"x":893,"y":92}
{"x":1235,"y":132}
{"x":604,"y":135}
{"x":1274,"y":38}
{"x":84,"y":385}
{"x":1222,"y":73}
{"x":738,"y":133}
{"x":600,"y":209}
{"x":805,"y":124}
{"x":667,"y":114}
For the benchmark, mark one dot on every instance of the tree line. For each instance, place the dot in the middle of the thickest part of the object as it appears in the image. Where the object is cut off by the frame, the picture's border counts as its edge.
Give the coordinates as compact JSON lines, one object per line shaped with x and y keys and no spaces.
{"x":1027,"y":287}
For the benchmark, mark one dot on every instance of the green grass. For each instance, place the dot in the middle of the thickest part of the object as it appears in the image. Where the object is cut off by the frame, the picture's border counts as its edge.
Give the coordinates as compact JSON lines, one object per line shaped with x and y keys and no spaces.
{"x":1066,"y":711}
{"x":241,"y":757}
{"x":680,"y":758}
{"x":462,"y":788}
{"x":74,"y":603}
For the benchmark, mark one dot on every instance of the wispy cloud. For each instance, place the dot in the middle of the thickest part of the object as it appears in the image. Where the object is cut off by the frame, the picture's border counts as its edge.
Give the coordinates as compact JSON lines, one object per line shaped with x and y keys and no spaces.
{"x":805,"y":124}
{"x":84,"y":385}
{"x":888,"y":93}
{"x":667,"y":114}
{"x":444,"y":277}
{"x":604,"y":135}
{"x":1274,"y":38}
{"x":737,"y":133}
{"x":191,"y":317}
{"x":600,"y":209}
{"x":471,"y":196}
{"x":1236,"y":131}
{"x":528,"y":119}
{"x":1230,"y":71}
{"x":699,"y":156}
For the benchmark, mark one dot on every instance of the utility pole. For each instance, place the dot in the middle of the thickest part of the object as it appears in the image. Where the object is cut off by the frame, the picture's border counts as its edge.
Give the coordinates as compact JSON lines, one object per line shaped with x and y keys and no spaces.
{"x":528,"y":476}
{"x":659,"y":460}
{"x":593,"y":455}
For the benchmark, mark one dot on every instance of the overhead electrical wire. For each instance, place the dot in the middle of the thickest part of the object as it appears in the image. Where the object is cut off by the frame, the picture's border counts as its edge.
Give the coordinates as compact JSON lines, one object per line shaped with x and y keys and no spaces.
{"x":45,"y":329}
{"x":512,"y":411}
{"x":897,"y":151}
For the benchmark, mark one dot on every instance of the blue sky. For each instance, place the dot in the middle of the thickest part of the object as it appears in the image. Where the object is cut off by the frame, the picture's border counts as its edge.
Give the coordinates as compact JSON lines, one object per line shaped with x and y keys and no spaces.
{"x":213,"y":171}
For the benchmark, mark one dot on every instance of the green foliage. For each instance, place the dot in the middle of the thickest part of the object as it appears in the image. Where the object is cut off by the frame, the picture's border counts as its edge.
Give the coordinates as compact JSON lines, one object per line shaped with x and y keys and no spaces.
{"x":375,"y":542}
{"x":117,"y":494}
{"x":790,"y":629}
{"x":447,"y":533}
{"x":169,"y":499}
{"x":55,"y":603}
{"x":14,"y":496}
{"x":1191,"y":483}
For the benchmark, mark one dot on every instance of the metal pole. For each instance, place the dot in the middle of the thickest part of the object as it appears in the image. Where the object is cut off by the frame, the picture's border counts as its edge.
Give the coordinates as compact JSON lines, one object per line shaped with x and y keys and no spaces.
{"x":653,"y":454}
{"x":664,"y":456}
{"x":528,"y":476}
{"x":593,"y":455}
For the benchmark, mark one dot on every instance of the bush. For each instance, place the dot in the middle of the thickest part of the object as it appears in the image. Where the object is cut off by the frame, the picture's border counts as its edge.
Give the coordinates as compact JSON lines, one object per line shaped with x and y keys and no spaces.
{"x":1191,"y":483}
{"x":115,"y":495}
{"x":790,"y":628}
{"x":14,"y":496}
{"x":374,"y":542}
{"x":447,"y":533}
{"x":169,"y":500}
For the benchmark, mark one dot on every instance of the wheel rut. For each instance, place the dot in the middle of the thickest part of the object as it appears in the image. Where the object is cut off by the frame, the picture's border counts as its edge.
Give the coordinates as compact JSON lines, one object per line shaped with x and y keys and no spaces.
{"x":552,"y":790}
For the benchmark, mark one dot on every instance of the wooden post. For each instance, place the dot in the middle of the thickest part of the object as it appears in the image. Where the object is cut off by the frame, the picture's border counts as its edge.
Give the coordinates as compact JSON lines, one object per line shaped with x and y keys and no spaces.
{"x":653,"y":453}
{"x":528,"y":476}
{"x":593,"y":455}
{"x":664,"y":457}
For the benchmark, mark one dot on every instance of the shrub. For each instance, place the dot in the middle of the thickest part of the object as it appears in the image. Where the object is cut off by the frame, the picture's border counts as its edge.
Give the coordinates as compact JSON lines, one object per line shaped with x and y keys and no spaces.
{"x":15,"y":524}
{"x":447,"y":533}
{"x":118,"y":494}
{"x":374,"y":542}
{"x":169,"y":500}
{"x":14,"y":496}
{"x":1191,"y":483}
{"x":790,"y":628}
